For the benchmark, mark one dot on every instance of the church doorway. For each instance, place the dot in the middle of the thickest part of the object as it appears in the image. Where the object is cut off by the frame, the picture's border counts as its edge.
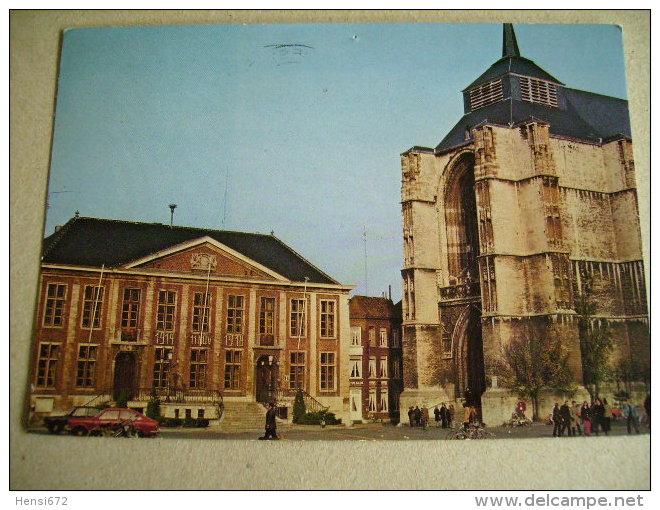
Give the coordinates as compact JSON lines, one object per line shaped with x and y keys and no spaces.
{"x":470,"y":377}
{"x":125,"y":380}
{"x":266,"y":378}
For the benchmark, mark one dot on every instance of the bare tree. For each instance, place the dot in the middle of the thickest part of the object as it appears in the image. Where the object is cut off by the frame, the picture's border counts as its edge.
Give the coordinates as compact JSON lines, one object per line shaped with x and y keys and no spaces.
{"x":533,"y":364}
{"x":595,"y":338}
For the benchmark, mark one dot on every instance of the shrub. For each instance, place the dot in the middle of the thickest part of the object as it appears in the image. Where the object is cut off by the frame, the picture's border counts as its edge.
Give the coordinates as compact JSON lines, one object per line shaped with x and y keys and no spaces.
{"x":189,"y":422}
{"x":299,"y":407}
{"x":316,"y":417}
{"x":169,"y":422}
{"x":122,"y":399}
{"x":153,"y":407}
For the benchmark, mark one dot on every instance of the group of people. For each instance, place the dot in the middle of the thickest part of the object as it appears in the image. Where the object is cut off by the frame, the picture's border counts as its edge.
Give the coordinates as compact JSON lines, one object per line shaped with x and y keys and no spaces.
{"x":444,"y":416}
{"x":574,"y":419}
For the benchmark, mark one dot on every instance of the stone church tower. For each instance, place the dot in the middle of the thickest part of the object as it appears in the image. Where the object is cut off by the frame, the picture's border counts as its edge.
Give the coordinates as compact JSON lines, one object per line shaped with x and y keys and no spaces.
{"x":531,"y":192}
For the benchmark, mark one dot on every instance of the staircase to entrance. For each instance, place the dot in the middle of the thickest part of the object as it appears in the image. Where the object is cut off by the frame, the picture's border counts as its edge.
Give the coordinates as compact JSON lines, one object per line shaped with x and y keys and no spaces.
{"x":242,"y":416}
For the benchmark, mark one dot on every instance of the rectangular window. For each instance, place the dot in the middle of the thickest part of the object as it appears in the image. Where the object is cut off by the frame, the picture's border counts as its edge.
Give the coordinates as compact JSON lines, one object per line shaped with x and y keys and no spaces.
{"x":486,"y":94}
{"x":383,"y":337}
{"x":384,"y":401}
{"x":200,"y":413}
{"x":162,"y":364}
{"x":395,"y":338}
{"x":396,"y":368}
{"x":356,"y":368}
{"x":356,"y":335}
{"x":296,"y":370}
{"x":383,"y":367}
{"x":267,"y":321}
{"x":201,"y":312}
{"x":538,"y":91}
{"x":55,"y":297}
{"x":327,"y":319}
{"x":86,"y":370}
{"x":49,"y":355}
{"x":198,"y":363}
{"x":166,"y":310}
{"x":372,"y":337}
{"x":235,"y":314}
{"x":298,"y":317}
{"x":233,"y":369}
{"x":372,"y":401}
{"x":327,"y":372}
{"x":372,"y":366}
{"x":130,"y":308}
{"x":92,"y":304}
{"x":446,"y":345}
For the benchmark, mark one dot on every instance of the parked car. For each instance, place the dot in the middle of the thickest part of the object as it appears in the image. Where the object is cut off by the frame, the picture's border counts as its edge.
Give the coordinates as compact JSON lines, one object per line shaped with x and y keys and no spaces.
{"x":115,"y":421}
{"x":57,"y":424}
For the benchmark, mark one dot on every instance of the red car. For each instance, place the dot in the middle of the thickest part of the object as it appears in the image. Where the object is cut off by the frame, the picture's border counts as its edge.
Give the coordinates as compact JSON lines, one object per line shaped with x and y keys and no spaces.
{"x":114,"y":421}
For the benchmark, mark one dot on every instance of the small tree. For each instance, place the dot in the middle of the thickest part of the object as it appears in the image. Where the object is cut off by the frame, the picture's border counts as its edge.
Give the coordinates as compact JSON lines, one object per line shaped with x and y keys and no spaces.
{"x":153,"y":406}
{"x":595,"y":341}
{"x":530,"y":365}
{"x":299,"y":409}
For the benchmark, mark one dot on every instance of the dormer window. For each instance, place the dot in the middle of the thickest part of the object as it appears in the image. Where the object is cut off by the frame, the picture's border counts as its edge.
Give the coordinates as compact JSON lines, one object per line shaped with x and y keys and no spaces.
{"x":486,"y":94}
{"x":538,"y":91}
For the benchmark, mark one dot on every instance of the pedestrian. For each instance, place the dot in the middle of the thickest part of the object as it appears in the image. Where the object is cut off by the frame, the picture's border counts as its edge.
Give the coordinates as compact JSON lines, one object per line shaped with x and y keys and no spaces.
{"x":425,"y":417}
{"x":521,"y":408}
{"x":577,"y":430}
{"x":450,"y":415}
{"x":647,"y":408}
{"x":585,"y":416}
{"x":418,"y":416}
{"x":607,"y":417}
{"x":444,"y":415}
{"x":436,"y":414}
{"x":597,"y":412}
{"x":411,"y":416}
{"x":271,"y":423}
{"x":556,"y":421}
{"x":632,"y":417}
{"x":565,"y":413}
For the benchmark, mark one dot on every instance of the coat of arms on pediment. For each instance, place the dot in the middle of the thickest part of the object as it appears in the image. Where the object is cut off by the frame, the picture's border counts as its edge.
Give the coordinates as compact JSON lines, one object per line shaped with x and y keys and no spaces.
{"x":203,"y":261}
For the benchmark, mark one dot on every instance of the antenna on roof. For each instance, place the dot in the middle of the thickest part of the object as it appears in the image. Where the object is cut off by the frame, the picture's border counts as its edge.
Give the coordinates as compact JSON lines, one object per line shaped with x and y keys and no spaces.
{"x":172,"y":207}
{"x":366,"y":279}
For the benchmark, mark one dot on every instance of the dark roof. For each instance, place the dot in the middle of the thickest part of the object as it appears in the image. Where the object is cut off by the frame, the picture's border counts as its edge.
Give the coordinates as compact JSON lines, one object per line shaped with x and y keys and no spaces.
{"x":588,"y":116}
{"x":515,"y":65}
{"x":367,"y":306}
{"x":94,"y":242}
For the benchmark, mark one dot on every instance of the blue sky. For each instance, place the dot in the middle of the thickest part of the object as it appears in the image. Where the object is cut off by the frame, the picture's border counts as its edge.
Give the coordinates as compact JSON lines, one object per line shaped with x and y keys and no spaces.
{"x":302,"y":140}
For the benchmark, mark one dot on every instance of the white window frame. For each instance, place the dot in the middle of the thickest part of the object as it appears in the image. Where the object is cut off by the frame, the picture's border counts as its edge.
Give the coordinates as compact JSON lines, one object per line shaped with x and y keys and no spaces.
{"x":328,"y":316}
{"x":356,"y":336}
{"x":382,"y":337}
{"x":356,"y":368}
{"x":383,"y":371}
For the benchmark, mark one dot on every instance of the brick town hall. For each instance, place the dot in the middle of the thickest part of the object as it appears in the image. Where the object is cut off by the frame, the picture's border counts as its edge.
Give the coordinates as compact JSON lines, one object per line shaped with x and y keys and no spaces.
{"x":532,"y":190}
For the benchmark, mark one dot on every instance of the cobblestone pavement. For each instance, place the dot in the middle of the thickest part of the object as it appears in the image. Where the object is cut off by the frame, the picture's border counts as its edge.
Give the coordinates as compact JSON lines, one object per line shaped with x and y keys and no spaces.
{"x":376,"y":432}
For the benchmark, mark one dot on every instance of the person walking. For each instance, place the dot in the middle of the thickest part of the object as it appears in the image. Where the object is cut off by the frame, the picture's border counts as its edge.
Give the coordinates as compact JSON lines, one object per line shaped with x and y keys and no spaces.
{"x":585,"y":416}
{"x":411,"y":416}
{"x":556,"y":421}
{"x":451,"y":413}
{"x":271,"y":423}
{"x":577,"y":430}
{"x":444,"y":415}
{"x":436,"y":414}
{"x":418,"y":416}
{"x":647,"y":408}
{"x":466,"y":416}
{"x":632,"y":417}
{"x":607,"y":417}
{"x":597,"y":412}
{"x":521,"y":408}
{"x":425,"y":417}
{"x":565,"y":413}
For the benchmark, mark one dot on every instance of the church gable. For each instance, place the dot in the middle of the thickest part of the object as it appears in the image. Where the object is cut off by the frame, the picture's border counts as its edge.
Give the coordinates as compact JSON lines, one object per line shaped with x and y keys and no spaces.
{"x":204,"y":258}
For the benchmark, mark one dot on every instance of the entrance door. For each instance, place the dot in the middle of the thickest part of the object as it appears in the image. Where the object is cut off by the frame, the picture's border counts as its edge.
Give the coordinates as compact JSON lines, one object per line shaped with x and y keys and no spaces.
{"x":470,"y":358}
{"x":266,"y":379}
{"x":125,"y":375}
{"x":356,"y":404}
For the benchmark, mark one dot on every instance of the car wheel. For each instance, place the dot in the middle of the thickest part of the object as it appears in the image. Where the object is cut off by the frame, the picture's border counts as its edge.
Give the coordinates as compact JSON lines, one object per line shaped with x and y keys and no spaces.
{"x":79,"y":431}
{"x":96,"y":433}
{"x":51,"y":428}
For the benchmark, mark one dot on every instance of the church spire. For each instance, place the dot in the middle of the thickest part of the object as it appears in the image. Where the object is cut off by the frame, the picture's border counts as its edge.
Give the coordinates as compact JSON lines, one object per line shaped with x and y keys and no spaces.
{"x":509,"y":43}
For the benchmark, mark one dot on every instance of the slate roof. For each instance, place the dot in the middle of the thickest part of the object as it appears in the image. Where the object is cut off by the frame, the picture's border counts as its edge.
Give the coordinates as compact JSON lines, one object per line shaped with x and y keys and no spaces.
{"x":588,"y":116}
{"x":94,"y":242}
{"x":367,"y":306}
{"x":515,"y":65}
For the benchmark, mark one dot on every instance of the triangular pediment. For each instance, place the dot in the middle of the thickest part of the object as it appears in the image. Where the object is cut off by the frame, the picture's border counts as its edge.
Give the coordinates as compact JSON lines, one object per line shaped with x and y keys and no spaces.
{"x":204,"y":256}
